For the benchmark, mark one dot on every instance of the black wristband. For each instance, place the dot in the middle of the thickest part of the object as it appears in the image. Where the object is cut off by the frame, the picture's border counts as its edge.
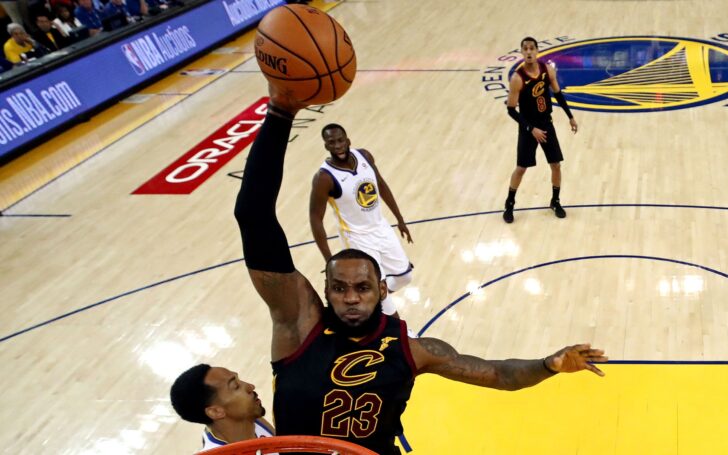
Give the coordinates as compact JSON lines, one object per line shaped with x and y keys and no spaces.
{"x":545,"y":365}
{"x":280,"y":112}
{"x":518,"y":117}
{"x":562,"y":102}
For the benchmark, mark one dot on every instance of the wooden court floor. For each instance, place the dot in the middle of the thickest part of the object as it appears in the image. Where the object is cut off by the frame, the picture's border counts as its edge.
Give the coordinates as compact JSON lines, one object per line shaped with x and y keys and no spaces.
{"x":107,"y":296}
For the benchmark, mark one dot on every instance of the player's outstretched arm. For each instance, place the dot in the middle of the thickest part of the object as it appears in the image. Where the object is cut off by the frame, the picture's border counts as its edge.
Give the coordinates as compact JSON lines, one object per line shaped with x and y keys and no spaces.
{"x":293,"y":303}
{"x":388,"y":198}
{"x":320,"y":188}
{"x":436,"y":356}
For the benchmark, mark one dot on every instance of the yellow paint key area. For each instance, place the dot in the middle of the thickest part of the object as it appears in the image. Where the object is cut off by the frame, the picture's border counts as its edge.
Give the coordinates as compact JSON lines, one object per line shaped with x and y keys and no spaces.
{"x":635,"y":409}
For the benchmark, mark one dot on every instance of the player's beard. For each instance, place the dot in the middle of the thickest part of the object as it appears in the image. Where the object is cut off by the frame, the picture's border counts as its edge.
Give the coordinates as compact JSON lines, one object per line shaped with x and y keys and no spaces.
{"x":333,"y":322}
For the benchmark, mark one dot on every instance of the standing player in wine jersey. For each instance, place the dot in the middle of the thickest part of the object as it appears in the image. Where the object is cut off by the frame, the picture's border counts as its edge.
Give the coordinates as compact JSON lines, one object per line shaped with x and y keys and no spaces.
{"x":351,"y":183}
{"x":346,"y":370}
{"x":529,"y":90}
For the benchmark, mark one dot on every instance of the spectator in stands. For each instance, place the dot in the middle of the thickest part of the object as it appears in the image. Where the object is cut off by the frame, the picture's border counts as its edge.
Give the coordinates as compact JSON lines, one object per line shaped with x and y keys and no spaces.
{"x":67,"y":24}
{"x":48,"y":35}
{"x":54,"y":4}
{"x":65,"y":20}
{"x":89,"y":16}
{"x":116,"y":15}
{"x":137,"y":8}
{"x":20,"y":47}
{"x":146,"y":7}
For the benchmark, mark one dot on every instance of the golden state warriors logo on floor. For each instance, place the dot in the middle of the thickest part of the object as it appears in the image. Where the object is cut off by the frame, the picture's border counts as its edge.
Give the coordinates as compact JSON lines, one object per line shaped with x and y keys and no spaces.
{"x":366,"y":194}
{"x":640,"y":73}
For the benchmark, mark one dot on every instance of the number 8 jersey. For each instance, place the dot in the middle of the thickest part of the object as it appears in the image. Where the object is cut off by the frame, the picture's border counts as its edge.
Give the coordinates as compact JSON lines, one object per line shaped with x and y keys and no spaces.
{"x":345,"y":388}
{"x":534,"y":101}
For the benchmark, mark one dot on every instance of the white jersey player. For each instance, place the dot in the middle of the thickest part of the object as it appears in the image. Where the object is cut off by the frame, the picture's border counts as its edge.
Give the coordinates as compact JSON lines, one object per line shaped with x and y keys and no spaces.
{"x":263,"y":429}
{"x":216,"y":397}
{"x":350,"y":182}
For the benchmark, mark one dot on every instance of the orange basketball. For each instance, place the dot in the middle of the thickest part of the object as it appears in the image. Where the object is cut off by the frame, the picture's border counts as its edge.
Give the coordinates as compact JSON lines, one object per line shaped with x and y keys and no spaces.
{"x":306,"y":53}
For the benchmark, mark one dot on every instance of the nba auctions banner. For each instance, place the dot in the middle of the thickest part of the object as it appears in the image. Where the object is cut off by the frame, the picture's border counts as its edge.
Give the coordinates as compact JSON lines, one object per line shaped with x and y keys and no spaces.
{"x":58,"y":96}
{"x":203,"y":160}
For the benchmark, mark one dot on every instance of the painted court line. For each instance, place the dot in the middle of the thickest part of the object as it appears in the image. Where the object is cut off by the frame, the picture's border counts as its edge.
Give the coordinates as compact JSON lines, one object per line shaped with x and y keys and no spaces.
{"x":446,"y":308}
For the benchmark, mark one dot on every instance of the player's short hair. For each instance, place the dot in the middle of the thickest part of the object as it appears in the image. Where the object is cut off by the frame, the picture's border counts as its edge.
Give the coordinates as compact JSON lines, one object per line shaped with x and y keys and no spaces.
{"x":351,"y":253}
{"x":190,"y":395}
{"x":332,"y":126}
{"x":531,"y":39}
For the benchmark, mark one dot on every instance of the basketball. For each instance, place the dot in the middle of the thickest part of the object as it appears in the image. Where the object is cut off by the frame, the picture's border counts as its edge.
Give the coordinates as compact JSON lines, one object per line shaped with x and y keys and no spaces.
{"x":305,"y":53}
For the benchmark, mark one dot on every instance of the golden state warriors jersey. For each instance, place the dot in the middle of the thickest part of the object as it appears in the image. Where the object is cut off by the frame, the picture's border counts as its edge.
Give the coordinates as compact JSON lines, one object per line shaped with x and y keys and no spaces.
{"x":345,"y":388}
{"x":355,"y":198}
{"x":210,"y":440}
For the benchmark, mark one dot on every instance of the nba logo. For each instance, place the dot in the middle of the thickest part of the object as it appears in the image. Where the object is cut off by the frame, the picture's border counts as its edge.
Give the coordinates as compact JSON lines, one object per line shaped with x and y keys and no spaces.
{"x":133,"y":59}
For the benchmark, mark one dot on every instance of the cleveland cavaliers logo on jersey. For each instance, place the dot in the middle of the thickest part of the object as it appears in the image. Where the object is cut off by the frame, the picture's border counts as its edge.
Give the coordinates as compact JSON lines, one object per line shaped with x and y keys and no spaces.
{"x":640,"y":73}
{"x":352,"y":369}
{"x":538,"y":89}
{"x":366,"y":194}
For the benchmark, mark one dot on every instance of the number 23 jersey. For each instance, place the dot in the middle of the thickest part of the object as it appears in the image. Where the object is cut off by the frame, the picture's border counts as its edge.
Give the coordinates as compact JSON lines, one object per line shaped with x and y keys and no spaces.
{"x":345,"y":388}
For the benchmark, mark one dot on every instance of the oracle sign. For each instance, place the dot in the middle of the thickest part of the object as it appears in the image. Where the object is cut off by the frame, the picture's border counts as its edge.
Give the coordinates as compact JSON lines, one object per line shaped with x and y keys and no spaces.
{"x":203,"y":160}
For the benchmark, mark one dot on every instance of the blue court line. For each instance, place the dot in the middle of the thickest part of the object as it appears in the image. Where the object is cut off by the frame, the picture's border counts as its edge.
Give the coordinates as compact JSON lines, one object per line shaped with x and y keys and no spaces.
{"x":449,"y":217}
{"x":111,"y":299}
{"x":35,"y":215}
{"x":575,"y":206}
{"x":561,"y":261}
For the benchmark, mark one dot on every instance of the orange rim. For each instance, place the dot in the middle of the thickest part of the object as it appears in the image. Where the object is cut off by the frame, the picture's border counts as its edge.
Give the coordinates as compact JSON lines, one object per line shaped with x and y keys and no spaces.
{"x":287,"y":444}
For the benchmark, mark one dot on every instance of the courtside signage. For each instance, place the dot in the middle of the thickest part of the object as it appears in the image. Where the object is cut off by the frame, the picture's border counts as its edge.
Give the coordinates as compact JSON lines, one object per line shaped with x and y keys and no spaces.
{"x":203,"y":160}
{"x":58,"y":96}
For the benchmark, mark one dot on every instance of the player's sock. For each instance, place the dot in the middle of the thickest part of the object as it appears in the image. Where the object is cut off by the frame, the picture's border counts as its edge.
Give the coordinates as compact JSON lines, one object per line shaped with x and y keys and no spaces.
{"x":511,"y":195}
{"x":555,"y":193}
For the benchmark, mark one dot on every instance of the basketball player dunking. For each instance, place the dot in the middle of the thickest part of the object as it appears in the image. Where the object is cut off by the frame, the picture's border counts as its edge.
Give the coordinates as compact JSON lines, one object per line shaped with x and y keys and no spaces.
{"x":529,"y":89}
{"x":345,"y":370}
{"x":351,"y":183}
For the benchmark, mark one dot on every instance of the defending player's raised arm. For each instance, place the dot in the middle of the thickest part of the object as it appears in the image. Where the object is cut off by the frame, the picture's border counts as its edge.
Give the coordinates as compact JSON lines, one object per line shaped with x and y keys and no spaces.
{"x":388,"y":197}
{"x":320,"y":189}
{"x":294,"y":305}
{"x":556,"y":89}
{"x":432,"y":355}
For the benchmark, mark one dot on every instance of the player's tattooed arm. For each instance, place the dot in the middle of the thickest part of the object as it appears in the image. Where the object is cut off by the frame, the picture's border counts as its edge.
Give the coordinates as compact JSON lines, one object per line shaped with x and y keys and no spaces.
{"x":436,"y":356}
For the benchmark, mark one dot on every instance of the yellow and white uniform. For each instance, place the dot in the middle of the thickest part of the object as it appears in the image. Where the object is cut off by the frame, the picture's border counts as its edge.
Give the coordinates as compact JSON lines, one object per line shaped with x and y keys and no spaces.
{"x":356,"y":203}
{"x":210,"y":441}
